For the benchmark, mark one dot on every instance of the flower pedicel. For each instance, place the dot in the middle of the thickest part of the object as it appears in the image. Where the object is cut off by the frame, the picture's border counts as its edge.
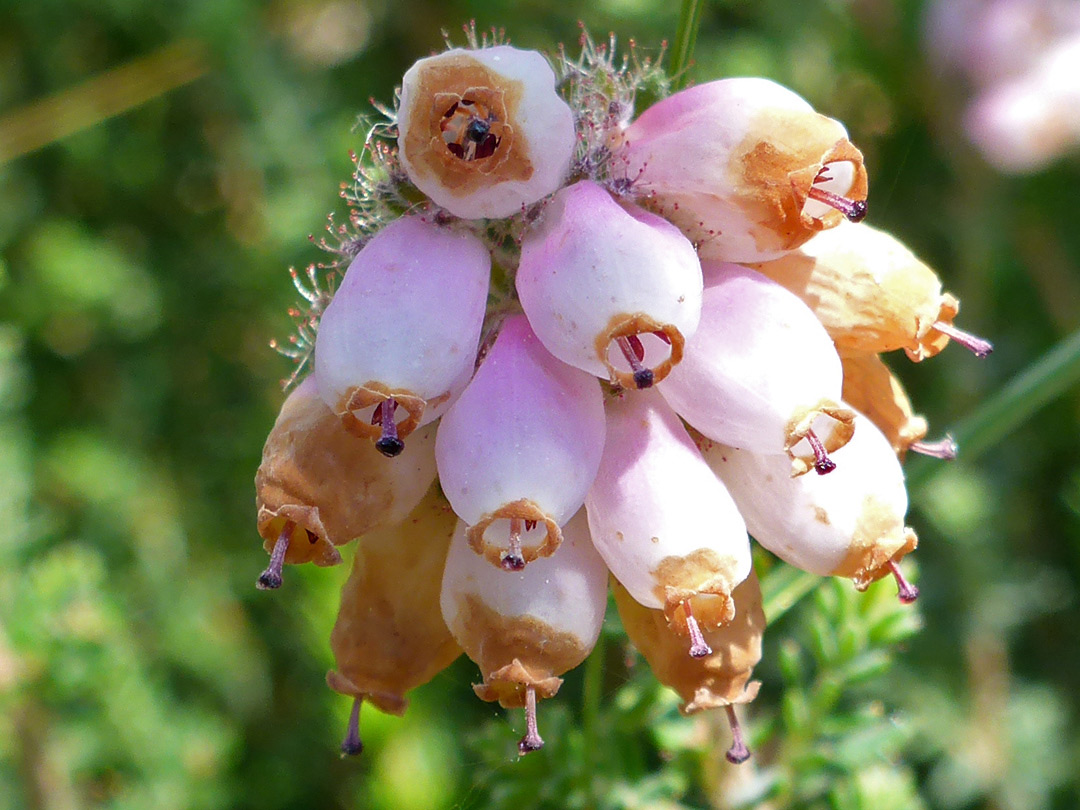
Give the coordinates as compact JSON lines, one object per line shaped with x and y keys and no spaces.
{"x":582,"y":243}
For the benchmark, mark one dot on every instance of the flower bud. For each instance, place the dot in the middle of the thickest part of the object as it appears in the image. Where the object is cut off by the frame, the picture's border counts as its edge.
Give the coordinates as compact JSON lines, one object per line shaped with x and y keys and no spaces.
{"x":871,"y":293}
{"x":719,"y":679}
{"x":745,"y":168}
{"x":663,"y":523}
{"x":403,"y":327}
{"x":526,"y":628}
{"x":390,"y":636}
{"x":871,"y":389}
{"x":848,"y":524}
{"x":483,"y":132}
{"x":318,"y":487}
{"x":761,"y":373}
{"x":613,"y":290}
{"x":520,"y":447}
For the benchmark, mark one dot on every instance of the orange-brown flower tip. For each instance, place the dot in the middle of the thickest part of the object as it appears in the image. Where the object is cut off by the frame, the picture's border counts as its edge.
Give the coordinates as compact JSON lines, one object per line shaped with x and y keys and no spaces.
{"x":351,"y":746}
{"x":980,"y":347}
{"x":738,"y":753}
{"x":946,"y":449}
{"x":854,"y":210}
{"x":532,"y":740}
{"x":699,"y":648}
{"x":270,"y":579}
{"x":823,"y":465}
{"x":905,"y":591}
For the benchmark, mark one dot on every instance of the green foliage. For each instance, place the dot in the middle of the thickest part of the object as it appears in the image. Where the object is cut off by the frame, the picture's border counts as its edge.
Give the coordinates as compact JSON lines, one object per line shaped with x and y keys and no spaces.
{"x":145,"y":229}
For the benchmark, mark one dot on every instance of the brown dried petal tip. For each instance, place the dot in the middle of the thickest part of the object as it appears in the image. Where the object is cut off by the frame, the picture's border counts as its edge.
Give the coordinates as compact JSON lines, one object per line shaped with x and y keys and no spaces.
{"x":271,"y":577}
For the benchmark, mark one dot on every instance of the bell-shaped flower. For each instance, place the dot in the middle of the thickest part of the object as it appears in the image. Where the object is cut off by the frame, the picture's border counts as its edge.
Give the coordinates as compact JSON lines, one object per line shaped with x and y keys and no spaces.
{"x":874,"y":391}
{"x":872,"y":294}
{"x":720,"y":679}
{"x":848,"y":524}
{"x":744,"y":167}
{"x":483,"y":132}
{"x":390,"y":636}
{"x":402,"y":329}
{"x":761,"y":373}
{"x":519,"y":448}
{"x":663,"y":523}
{"x":318,"y":487}
{"x":524,"y":629}
{"x":611,"y":289}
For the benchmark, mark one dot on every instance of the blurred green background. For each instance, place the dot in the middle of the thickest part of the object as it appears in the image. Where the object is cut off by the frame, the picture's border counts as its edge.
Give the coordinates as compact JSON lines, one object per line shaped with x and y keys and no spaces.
{"x":160,"y":167}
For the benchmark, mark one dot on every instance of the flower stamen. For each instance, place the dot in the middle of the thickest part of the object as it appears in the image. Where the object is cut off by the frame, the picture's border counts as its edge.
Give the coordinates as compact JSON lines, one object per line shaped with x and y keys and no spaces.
{"x":271,"y":578}
{"x":532,"y":740}
{"x":351,"y":746}
{"x":512,"y":559}
{"x":389,"y":444}
{"x":822,"y":463}
{"x":738,"y":752}
{"x":946,"y":449}
{"x":699,"y":648}
{"x":854,"y":210}
{"x":634,"y":352}
{"x":907,"y":592}
{"x":974,"y":344}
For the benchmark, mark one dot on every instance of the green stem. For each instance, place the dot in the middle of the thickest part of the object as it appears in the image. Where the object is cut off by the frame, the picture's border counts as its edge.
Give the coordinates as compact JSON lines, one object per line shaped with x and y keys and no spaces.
{"x":682,"y":49}
{"x":1047,"y":379}
{"x":592,"y":692}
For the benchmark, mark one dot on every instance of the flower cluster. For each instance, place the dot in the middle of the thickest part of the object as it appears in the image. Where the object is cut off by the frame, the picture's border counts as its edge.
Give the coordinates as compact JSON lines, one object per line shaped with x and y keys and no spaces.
{"x":622,"y":345}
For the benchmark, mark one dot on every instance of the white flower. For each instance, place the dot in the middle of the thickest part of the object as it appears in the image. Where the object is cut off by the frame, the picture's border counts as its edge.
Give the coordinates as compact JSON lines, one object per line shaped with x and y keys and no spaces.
{"x":483,"y":132}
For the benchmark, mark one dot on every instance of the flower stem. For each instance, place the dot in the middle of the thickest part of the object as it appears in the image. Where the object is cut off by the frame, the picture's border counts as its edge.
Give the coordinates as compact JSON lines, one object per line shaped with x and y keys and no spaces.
{"x":682,"y":49}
